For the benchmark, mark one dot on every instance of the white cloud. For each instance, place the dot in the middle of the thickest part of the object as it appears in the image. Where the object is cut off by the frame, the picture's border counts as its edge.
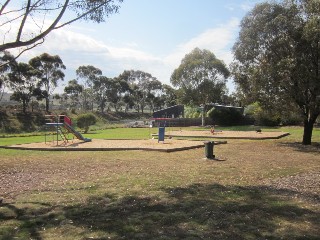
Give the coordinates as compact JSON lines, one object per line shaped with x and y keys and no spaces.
{"x":78,"y":49}
{"x":218,"y":40}
{"x":248,"y":5}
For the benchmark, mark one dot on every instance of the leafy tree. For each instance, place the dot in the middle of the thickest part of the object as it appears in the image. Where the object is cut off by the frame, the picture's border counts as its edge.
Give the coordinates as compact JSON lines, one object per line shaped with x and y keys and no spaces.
{"x":141,"y":85}
{"x":226,"y":116}
{"x":85,"y":121}
{"x":202,"y":78}
{"x":6,"y":62}
{"x":73,"y":90}
{"x":277,"y":57}
{"x":150,"y":88}
{"x":119,"y":88}
{"x":128,"y":101}
{"x":88,"y":74}
{"x":169,"y":95}
{"x":102,"y":88}
{"x":51,"y":69}
{"x":23,"y":81}
{"x":26,"y":25}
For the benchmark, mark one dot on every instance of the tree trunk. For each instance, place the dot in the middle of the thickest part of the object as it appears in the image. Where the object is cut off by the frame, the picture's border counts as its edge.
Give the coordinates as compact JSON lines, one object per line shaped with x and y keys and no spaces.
{"x":47,"y":104}
{"x":203,"y":120}
{"x":24,"y":106}
{"x":203,"y":123}
{"x":307,"y":131}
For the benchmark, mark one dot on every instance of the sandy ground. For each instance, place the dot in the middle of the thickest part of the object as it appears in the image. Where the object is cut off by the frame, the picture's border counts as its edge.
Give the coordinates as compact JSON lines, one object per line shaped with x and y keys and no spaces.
{"x":228,"y":134}
{"x":151,"y":144}
{"x":116,"y":144}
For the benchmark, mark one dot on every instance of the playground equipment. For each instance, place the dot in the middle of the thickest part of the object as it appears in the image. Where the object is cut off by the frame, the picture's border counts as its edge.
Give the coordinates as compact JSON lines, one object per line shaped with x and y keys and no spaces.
{"x":62,"y":126}
{"x":162,"y":124}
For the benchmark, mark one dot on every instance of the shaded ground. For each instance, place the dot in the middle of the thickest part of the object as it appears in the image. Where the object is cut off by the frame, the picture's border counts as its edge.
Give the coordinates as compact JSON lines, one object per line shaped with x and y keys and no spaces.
{"x":263,"y":190}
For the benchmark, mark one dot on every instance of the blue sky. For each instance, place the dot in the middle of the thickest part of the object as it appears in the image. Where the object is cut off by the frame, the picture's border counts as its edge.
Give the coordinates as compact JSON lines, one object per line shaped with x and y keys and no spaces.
{"x":148,"y":35}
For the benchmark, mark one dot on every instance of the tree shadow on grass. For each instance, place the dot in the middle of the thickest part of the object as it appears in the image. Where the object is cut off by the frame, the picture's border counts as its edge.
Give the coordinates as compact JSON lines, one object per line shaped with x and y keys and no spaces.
{"x":194,"y":212}
{"x":313,"y":148}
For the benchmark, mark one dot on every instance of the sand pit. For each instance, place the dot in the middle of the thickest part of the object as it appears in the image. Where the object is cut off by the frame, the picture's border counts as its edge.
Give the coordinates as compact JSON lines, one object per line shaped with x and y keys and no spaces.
{"x":228,"y":134}
{"x":169,"y":145}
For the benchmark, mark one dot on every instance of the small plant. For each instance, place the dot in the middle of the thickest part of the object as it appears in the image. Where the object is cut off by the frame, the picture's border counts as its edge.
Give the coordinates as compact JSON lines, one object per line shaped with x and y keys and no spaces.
{"x":84,"y":121}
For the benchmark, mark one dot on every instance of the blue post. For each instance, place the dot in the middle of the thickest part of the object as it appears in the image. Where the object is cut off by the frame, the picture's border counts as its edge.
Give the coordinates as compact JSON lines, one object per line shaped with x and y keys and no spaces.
{"x":161,"y":134}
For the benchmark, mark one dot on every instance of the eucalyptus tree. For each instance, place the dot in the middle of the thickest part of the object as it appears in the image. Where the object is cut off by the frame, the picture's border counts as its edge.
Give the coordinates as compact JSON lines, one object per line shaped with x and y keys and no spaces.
{"x":151,"y":90}
{"x":25,"y":25}
{"x":277,"y":57}
{"x":201,"y":77}
{"x":168,"y":95}
{"x":88,"y":75}
{"x":23,"y":79}
{"x":73,"y":91}
{"x":6,"y":62}
{"x":103,"y":87}
{"x":141,"y":85}
{"x":120,"y":88}
{"x":51,"y":71}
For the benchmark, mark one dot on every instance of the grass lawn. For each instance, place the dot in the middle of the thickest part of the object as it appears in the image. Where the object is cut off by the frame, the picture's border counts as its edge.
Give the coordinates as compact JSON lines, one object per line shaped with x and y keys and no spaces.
{"x":263,"y":190}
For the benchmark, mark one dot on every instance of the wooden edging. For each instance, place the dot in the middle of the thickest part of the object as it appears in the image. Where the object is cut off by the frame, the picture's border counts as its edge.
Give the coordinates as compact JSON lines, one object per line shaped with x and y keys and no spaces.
{"x":101,"y":149}
{"x":221,"y":137}
{"x":111,"y":149}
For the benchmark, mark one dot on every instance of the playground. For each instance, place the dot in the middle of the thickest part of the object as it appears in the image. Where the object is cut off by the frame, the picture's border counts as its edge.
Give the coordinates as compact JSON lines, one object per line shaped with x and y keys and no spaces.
{"x":263,"y":189}
{"x":63,"y":137}
{"x":171,"y":141}
{"x":169,"y":145}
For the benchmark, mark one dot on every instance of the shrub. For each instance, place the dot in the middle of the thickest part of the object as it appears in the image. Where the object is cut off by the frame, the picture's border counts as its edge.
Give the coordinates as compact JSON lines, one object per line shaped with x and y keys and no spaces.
{"x":261,"y":116}
{"x":291,"y":119}
{"x":267,"y":119}
{"x":84,"y":121}
{"x":226,"y":116}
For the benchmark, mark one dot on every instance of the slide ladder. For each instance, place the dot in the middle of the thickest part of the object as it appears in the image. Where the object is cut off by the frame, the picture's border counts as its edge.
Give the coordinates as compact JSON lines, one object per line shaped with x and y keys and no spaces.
{"x":62,"y":134}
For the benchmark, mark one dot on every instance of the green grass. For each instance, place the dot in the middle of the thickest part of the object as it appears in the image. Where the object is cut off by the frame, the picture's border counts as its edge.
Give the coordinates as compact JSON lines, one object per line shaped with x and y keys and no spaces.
{"x":123,"y":133}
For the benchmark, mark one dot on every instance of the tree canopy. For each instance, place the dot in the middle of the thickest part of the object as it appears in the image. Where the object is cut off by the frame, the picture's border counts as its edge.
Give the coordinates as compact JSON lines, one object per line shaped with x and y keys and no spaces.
{"x":201,"y":77}
{"x":51,"y":71}
{"x":277,"y":57}
{"x":26,"y":24}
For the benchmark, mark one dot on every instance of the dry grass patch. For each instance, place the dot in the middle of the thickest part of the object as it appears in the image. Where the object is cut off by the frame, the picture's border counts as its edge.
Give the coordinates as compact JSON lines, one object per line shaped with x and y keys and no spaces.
{"x":148,"y":195}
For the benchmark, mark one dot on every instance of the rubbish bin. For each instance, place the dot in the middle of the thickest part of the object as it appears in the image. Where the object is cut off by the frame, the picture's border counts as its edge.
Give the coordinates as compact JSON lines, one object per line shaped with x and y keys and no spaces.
{"x":208,"y":149}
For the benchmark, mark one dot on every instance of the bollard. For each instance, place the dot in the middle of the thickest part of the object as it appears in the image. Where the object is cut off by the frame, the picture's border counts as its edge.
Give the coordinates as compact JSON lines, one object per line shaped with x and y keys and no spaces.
{"x":208,"y":149}
{"x":161,"y":134}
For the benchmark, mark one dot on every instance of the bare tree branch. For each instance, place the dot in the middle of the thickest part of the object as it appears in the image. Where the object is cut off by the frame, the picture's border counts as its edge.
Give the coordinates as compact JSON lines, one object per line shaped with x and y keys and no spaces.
{"x":94,"y":10}
{"x":23,"y":21}
{"x":24,"y":50}
{"x":11,"y":20}
{"x":36,"y":38}
{"x":83,"y":15}
{"x":4,"y":6}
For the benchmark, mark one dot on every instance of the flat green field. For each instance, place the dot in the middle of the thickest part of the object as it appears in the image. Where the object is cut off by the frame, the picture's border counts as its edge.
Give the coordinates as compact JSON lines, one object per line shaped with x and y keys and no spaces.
{"x":263,"y":189}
